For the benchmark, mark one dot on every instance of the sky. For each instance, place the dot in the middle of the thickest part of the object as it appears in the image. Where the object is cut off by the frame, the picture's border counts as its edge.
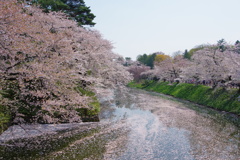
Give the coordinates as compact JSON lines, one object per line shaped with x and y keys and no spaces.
{"x":136,"y":27}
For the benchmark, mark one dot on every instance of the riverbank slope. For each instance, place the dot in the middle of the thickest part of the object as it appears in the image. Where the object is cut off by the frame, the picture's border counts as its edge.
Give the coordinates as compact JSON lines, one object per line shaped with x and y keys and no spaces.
{"x":218,"y":98}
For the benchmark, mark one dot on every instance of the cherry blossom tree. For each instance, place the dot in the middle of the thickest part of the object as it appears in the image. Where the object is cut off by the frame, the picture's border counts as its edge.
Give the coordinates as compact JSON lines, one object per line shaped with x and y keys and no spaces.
{"x":137,"y":69}
{"x":171,"y":68}
{"x":48,"y":63}
{"x":213,"y":63}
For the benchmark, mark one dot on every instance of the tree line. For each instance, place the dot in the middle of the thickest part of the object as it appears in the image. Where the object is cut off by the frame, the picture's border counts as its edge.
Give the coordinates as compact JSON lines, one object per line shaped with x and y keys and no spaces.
{"x":213,"y":65}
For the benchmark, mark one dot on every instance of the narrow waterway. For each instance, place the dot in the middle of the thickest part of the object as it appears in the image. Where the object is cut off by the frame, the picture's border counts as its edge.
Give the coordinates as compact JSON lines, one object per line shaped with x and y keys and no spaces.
{"x":142,"y":125}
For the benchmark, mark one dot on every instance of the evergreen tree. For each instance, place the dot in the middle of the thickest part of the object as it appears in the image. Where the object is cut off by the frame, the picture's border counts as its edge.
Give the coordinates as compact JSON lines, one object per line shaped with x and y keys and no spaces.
{"x":148,"y":60}
{"x":75,"y":9}
{"x":221,"y":45}
{"x":186,"y":54}
{"x":128,"y":58}
{"x":237,"y":42}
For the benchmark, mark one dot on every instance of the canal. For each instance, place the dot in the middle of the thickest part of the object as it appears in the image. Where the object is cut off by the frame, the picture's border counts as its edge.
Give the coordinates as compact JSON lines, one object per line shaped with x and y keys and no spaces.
{"x":145,"y":126}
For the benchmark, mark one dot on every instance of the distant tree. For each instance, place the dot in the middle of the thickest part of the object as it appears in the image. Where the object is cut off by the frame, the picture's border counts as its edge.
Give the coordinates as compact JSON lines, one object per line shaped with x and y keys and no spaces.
{"x":137,"y":70}
{"x":142,"y":58}
{"x":177,"y":53}
{"x":148,"y":60}
{"x":128,"y":58}
{"x":171,"y":68}
{"x":195,"y":49}
{"x":75,"y":9}
{"x":208,"y":64}
{"x":127,"y":61}
{"x":237,"y":42}
{"x":221,"y":42}
{"x":237,"y":47}
{"x":186,"y":54}
{"x":160,"y":57}
{"x":221,"y":45}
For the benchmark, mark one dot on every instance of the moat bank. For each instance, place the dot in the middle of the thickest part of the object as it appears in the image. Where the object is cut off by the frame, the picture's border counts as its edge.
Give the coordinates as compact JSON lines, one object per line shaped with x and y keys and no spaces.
{"x":218,"y":98}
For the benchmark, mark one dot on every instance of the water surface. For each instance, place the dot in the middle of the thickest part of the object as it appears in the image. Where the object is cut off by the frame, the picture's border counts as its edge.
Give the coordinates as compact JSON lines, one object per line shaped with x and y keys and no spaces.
{"x":141,"y":125}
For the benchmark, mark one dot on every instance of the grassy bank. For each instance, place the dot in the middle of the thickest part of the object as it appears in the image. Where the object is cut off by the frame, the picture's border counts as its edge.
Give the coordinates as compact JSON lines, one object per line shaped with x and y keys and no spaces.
{"x":220,"y":98}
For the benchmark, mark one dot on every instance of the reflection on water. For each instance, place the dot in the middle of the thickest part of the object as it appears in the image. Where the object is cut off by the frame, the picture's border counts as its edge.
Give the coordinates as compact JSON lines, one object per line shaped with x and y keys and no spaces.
{"x":140,"y":125}
{"x":165,"y":129}
{"x":150,"y":139}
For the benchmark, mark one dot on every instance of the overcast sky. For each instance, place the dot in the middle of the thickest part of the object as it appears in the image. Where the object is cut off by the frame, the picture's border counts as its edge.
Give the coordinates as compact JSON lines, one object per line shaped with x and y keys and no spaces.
{"x":146,"y":26}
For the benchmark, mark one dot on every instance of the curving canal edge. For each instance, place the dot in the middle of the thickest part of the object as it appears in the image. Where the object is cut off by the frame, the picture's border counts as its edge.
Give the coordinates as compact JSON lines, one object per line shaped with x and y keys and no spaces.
{"x":135,"y":125}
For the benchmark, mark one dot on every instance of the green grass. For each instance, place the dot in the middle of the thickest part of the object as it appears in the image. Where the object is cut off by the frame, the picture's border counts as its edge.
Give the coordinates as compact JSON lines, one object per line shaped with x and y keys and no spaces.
{"x":93,"y":104}
{"x":84,"y":91}
{"x":4,"y":118}
{"x":220,"y":98}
